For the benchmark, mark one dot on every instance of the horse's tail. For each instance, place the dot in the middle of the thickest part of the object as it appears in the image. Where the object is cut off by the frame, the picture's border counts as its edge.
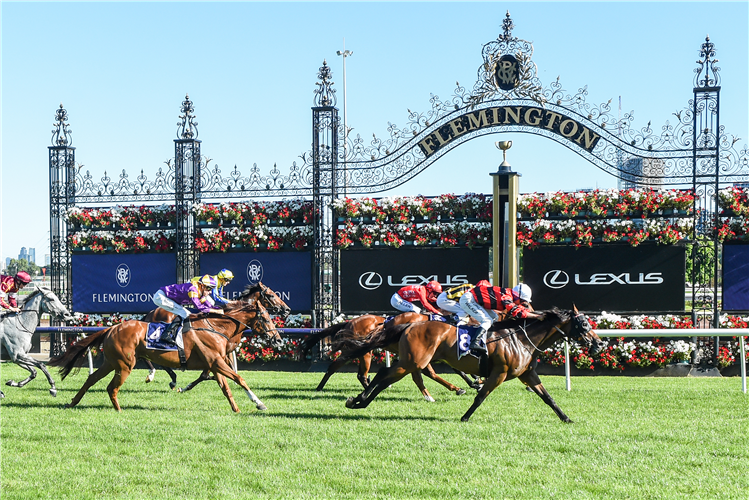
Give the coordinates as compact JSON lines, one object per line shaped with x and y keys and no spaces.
{"x":74,"y":356}
{"x":352,"y":347}
{"x":312,"y":339}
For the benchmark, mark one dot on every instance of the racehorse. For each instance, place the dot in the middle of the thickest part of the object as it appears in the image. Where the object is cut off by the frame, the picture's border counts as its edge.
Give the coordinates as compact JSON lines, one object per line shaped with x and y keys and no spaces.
{"x":511,"y":348}
{"x":362,"y":326}
{"x":17,"y":329}
{"x":207,"y":341}
{"x":270,"y":300}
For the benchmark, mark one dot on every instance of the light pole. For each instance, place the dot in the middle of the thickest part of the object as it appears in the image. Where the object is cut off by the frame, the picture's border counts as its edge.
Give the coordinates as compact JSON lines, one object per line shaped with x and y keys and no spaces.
{"x":345,"y":53}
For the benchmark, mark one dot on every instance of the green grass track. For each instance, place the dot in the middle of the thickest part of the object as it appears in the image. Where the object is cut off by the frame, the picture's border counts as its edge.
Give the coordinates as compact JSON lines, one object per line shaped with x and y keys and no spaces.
{"x":638,"y":438}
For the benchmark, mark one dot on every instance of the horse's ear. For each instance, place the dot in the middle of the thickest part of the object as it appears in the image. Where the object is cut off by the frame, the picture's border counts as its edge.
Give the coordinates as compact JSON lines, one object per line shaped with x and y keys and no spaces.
{"x":574,"y":308}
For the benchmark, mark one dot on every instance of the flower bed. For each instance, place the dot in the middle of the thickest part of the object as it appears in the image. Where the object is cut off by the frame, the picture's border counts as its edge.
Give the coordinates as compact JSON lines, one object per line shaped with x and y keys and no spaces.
{"x":620,"y":354}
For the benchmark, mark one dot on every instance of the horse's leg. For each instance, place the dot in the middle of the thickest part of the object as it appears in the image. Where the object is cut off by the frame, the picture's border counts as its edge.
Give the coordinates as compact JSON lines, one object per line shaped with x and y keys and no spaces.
{"x":385,"y":377}
{"x":24,"y":363}
{"x":429,"y":372}
{"x":99,"y":374}
{"x":334,"y":367}
{"x":491,"y":383}
{"x":419,"y":381}
{"x":151,"y":371}
{"x":114,"y":385}
{"x":222,"y":368}
{"x":173,"y":376}
{"x":473,"y":383}
{"x":203,"y":376}
{"x":530,"y":378}
{"x":221,"y":380}
{"x":365,"y":363}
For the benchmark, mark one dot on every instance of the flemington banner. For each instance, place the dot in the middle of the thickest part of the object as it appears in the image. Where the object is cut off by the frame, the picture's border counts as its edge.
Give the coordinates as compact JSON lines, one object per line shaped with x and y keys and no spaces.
{"x":370,"y":277}
{"x":648,"y":277}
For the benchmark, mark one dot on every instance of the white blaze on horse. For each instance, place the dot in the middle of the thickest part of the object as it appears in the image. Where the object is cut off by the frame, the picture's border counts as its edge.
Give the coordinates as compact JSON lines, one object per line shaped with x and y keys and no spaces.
{"x":17,"y":329}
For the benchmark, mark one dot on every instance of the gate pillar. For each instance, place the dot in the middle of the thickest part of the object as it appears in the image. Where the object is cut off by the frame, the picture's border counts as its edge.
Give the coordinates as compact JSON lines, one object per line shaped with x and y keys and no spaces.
{"x":187,"y":164}
{"x":61,"y":198}
{"x":324,"y":190}
{"x":504,"y":217}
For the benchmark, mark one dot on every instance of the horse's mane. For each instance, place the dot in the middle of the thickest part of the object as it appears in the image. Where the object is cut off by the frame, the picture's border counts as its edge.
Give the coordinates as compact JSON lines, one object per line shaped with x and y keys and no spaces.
{"x":553,"y":315}
{"x":35,"y":291}
{"x":249,"y":290}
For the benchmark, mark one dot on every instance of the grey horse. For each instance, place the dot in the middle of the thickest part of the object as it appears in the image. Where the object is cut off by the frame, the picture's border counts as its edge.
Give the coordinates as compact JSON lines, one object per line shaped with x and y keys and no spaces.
{"x":16,"y":330}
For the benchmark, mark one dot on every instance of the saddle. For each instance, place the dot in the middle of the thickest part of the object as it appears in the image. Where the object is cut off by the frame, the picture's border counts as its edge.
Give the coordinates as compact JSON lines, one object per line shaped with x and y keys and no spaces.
{"x":153,"y":339}
{"x":466,"y":334}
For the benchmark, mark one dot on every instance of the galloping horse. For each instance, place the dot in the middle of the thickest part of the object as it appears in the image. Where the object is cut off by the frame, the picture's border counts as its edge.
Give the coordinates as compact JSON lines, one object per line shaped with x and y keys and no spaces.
{"x":511,"y":348}
{"x":268,"y":298}
{"x":362,"y":326}
{"x":206,"y":344}
{"x":16,"y":330}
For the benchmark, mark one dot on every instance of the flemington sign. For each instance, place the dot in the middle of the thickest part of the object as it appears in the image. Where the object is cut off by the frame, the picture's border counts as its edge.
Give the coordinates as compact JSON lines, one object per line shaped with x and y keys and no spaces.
{"x":531,"y":116}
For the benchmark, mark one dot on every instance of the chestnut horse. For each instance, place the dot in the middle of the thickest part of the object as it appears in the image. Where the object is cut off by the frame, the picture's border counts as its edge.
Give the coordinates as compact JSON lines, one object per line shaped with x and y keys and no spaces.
{"x":362,"y":326}
{"x":511,"y":348}
{"x":270,"y":300}
{"x":206,"y":344}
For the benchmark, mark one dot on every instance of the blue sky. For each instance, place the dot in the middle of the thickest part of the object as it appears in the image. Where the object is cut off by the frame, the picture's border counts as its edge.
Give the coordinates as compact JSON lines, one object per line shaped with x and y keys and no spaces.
{"x":121,"y":70}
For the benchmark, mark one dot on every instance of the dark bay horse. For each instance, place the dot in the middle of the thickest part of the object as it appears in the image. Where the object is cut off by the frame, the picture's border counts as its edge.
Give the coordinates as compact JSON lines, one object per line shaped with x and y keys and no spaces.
{"x":511,"y":348}
{"x":206,"y":344}
{"x":267,"y":297}
{"x":362,"y":326}
{"x":17,"y":329}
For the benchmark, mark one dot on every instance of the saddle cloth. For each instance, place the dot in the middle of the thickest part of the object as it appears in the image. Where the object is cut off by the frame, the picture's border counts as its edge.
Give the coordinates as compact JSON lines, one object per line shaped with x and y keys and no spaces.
{"x":466,"y":334}
{"x":432,"y":317}
{"x":154,"y":334}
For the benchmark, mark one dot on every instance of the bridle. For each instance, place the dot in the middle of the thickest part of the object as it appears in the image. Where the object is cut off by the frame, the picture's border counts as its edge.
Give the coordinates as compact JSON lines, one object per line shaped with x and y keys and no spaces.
{"x":575,"y":320}
{"x":38,"y":313}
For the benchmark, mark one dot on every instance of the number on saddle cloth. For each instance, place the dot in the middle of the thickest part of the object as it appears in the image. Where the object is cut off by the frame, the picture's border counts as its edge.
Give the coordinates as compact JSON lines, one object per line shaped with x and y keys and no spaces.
{"x":437,"y":317}
{"x":153,"y":337}
{"x":466,"y":334}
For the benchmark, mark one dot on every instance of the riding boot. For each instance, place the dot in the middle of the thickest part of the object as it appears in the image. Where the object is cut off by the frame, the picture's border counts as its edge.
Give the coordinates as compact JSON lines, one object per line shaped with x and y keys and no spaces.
{"x":170,"y":332}
{"x":479,"y":343}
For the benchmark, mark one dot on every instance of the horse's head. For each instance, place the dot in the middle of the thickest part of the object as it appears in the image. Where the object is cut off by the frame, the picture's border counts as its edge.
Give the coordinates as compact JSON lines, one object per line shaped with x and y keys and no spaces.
{"x":583,"y":333}
{"x":270,"y":300}
{"x":51,"y":304}
{"x":263,"y":324}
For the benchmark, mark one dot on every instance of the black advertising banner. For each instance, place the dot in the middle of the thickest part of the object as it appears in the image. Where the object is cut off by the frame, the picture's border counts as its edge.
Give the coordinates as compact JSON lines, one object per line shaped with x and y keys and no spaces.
{"x":607,"y":278}
{"x":736,"y":277}
{"x":124,"y":283}
{"x":369,"y":277}
{"x":289,"y":274}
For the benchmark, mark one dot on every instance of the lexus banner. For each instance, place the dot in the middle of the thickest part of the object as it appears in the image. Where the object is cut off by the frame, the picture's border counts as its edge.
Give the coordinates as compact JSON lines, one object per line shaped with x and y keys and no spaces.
{"x":289,"y":274}
{"x":370,"y":277}
{"x":736,"y":277}
{"x":124,"y":283}
{"x":607,"y":278}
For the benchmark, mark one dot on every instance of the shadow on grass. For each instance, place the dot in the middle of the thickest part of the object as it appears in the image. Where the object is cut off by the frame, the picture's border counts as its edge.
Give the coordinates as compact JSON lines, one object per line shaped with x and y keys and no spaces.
{"x":352,"y":416}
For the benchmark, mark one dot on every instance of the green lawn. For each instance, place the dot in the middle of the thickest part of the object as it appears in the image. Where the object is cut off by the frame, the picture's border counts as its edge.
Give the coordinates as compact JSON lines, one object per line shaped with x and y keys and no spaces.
{"x":640,"y":438}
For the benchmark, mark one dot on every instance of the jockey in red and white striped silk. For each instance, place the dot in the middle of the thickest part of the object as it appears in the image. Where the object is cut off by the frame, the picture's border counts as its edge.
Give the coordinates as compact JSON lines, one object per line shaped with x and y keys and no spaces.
{"x":9,"y":287}
{"x":403,"y":300}
{"x":481,"y":301}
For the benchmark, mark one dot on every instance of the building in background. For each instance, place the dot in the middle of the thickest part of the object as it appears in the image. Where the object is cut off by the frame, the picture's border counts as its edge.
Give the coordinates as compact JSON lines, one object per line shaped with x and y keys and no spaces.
{"x":32,"y":255}
{"x":24,"y":255}
{"x":639,"y":173}
{"x":47,"y":259}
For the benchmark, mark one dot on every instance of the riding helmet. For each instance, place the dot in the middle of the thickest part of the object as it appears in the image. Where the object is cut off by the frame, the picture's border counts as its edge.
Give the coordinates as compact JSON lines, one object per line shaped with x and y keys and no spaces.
{"x":522,"y":291}
{"x":225,"y":275}
{"x":23,"y":277}
{"x":208,"y":281}
{"x":434,"y":286}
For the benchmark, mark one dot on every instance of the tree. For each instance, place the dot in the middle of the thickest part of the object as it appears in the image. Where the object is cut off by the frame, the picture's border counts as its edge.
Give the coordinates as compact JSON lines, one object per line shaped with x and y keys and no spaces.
{"x":23,"y":265}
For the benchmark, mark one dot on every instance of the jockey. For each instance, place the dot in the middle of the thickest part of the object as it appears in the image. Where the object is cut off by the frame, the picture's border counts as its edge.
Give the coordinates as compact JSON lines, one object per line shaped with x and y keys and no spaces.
{"x":448,"y":301}
{"x":173,"y":298}
{"x":223,"y":278}
{"x":479,"y":302}
{"x":403,"y":300}
{"x":9,"y":287}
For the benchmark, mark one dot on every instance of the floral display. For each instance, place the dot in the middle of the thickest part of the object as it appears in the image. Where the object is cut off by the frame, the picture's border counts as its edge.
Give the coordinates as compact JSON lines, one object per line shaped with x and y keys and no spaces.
{"x":606,"y":203}
{"x":127,"y":218}
{"x":123,"y":241}
{"x":397,"y":235}
{"x":619,"y":354}
{"x":734,"y":200}
{"x":400,"y":210}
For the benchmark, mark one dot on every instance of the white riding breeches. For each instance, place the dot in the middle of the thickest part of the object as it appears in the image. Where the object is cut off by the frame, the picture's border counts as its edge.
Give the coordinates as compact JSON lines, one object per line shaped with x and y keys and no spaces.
{"x":164,"y":302}
{"x":452,"y":306}
{"x":403,"y":305}
{"x":473,"y":309}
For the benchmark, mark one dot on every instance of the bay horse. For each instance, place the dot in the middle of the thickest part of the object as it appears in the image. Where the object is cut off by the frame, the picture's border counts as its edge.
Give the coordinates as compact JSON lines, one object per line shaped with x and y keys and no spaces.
{"x":362,"y":326}
{"x":267,"y":297}
{"x":511,"y":346}
{"x":17,"y":329}
{"x":206,"y":343}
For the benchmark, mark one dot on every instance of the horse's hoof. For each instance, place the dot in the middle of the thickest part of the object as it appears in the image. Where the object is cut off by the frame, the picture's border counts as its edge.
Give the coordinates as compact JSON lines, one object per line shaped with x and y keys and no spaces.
{"x":11,"y":383}
{"x":464,"y":419}
{"x":262,"y":407}
{"x":350,"y":403}
{"x":2,"y":394}
{"x":53,"y":392}
{"x":460,"y":392}
{"x":429,"y":399}
{"x":180,"y":390}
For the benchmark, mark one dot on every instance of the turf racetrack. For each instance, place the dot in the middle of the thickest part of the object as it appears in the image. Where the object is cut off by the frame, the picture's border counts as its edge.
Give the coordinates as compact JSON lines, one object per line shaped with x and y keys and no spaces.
{"x":640,"y":438}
